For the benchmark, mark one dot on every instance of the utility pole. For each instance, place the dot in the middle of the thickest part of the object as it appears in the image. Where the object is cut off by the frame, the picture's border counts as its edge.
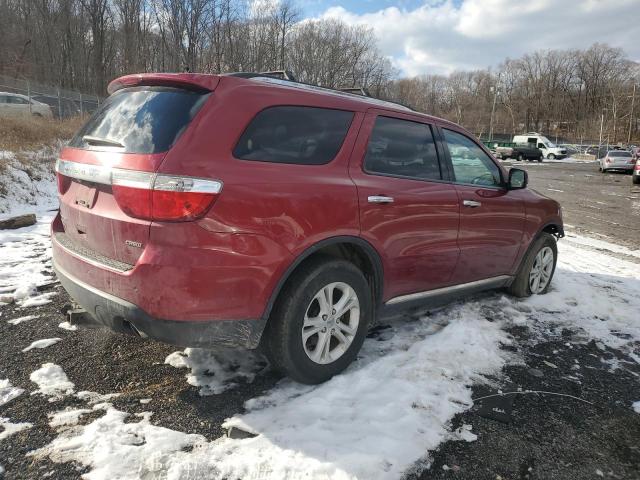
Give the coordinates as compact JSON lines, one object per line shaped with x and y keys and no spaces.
{"x":633,"y":101}
{"x":601,"y":125}
{"x":493,"y":109}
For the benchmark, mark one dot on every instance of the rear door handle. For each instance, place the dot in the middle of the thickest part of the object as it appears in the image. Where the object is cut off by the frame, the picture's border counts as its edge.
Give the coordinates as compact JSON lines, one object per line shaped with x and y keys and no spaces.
{"x":379,"y":199}
{"x":471,"y":203}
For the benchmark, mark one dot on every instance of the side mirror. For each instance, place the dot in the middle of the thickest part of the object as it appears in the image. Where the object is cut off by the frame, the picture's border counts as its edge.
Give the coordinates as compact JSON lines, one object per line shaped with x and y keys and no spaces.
{"x":518,"y":179}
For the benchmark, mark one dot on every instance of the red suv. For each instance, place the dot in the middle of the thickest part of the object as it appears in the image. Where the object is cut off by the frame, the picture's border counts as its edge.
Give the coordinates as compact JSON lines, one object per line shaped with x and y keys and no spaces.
{"x":241,"y":210}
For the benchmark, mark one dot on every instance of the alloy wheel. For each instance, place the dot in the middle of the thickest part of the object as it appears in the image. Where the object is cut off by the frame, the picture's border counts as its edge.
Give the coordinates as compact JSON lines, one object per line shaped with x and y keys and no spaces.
{"x":541,"y":270}
{"x":330,"y":323}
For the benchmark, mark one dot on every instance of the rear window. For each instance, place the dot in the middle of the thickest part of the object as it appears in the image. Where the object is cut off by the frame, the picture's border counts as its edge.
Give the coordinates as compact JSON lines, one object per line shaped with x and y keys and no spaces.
{"x":619,"y":154}
{"x":140,"y":120}
{"x":291,"y":134}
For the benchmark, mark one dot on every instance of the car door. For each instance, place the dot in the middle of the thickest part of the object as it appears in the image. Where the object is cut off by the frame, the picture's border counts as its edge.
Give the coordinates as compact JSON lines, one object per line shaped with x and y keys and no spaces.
{"x":492,"y":218}
{"x":407,"y":212}
{"x":4,"y":106}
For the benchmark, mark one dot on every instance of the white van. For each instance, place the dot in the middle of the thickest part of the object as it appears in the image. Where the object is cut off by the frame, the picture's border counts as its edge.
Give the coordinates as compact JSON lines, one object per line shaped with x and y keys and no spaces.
{"x":548,"y":148}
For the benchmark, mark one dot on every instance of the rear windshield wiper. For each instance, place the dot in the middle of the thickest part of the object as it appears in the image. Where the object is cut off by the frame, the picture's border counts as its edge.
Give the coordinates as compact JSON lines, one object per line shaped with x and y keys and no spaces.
{"x":91,"y":140}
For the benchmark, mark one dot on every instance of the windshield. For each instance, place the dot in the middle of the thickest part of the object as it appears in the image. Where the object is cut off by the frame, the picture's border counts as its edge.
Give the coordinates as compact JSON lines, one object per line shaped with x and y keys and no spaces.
{"x":547,"y":142}
{"x":140,"y":120}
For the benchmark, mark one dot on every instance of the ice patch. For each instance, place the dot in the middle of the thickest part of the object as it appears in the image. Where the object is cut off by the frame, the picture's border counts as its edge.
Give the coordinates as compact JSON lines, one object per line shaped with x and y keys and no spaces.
{"x":44,"y":343}
{"x":11,"y":428}
{"x":51,"y":381}
{"x":217,"y":371}
{"x":8,"y":392}
{"x":93,"y":398}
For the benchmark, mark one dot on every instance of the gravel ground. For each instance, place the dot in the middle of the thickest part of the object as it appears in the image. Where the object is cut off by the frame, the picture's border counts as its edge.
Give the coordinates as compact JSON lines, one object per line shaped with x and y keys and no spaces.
{"x":546,"y":437}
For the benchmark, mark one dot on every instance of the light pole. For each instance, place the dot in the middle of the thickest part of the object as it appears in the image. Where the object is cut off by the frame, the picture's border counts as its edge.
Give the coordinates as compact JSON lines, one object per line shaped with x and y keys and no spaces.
{"x":493,"y":108}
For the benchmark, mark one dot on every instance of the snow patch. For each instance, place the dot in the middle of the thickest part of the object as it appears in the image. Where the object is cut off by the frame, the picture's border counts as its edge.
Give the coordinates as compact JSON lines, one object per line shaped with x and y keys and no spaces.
{"x":8,"y":392}
{"x":52,"y":381}
{"x":68,"y":326}
{"x":19,"y":320}
{"x":67,"y":417}
{"x":636,"y":406}
{"x":44,"y":343}
{"x":25,"y":265}
{"x":219,"y":370}
{"x":11,"y":428}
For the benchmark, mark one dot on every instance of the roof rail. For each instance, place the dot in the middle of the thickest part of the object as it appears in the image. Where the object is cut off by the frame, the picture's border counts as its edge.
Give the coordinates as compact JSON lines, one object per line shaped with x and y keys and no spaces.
{"x":286,"y":78}
{"x":355,"y":90}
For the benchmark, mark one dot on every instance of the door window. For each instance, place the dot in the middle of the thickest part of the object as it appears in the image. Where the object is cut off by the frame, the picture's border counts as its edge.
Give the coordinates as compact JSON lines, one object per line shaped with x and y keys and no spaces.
{"x":402,"y":148}
{"x":17,"y":101}
{"x":471,"y":165}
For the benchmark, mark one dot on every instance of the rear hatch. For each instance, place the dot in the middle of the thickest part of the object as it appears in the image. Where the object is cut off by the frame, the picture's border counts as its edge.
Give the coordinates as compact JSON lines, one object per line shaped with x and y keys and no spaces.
{"x":105,"y":173}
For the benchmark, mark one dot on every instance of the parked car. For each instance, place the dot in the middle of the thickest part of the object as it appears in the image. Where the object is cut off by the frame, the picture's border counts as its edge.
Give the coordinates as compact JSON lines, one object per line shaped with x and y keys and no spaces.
{"x":547,"y":147}
{"x":526,"y":151}
{"x":617,"y":160}
{"x":15,"y":105}
{"x":635,"y":178}
{"x":308,"y":215}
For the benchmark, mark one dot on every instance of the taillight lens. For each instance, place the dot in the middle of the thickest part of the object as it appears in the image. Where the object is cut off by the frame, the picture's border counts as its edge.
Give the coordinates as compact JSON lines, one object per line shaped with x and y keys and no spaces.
{"x":163,"y":197}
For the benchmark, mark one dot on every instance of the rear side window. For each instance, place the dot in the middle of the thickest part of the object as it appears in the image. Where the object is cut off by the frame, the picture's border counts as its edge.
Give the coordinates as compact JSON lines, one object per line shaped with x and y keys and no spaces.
{"x":291,"y":134}
{"x":402,"y":148}
{"x":140,"y":120}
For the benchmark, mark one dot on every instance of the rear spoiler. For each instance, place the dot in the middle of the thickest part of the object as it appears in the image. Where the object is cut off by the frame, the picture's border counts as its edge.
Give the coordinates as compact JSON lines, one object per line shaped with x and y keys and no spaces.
{"x":189,"y":81}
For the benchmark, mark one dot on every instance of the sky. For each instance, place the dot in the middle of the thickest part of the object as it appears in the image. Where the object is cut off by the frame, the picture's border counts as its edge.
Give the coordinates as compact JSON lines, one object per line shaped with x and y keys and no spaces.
{"x":441,"y":36}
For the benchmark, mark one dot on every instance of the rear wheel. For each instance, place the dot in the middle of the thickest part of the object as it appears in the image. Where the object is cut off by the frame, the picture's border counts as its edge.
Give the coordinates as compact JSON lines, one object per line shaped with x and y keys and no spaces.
{"x":636,"y":179}
{"x":520,"y":157}
{"x":320,"y":320}
{"x":537,"y":268}
{"x":540,"y":158}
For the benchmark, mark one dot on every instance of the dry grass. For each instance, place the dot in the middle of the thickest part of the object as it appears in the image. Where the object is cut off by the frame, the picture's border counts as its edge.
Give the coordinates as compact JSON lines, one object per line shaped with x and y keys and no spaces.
{"x":32,"y":133}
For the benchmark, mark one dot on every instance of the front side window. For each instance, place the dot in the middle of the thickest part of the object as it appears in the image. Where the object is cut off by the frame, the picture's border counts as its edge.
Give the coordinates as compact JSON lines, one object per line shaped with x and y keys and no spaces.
{"x":402,"y":148}
{"x":294,"y":134}
{"x":470,"y":164}
{"x":17,"y":101}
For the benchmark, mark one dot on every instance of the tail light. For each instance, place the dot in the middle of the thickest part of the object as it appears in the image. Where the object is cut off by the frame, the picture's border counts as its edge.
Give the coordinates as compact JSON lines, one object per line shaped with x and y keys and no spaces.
{"x":608,"y":160}
{"x":162,"y":197}
{"x":146,"y":195}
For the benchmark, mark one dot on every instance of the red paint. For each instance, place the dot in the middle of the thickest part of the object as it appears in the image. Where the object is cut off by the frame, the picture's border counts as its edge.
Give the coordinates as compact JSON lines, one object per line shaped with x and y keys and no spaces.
{"x":227,"y":264}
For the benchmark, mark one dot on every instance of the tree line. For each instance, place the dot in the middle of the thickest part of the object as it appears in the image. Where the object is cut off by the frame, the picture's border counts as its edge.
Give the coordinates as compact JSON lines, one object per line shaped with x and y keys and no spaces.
{"x":82,"y":44}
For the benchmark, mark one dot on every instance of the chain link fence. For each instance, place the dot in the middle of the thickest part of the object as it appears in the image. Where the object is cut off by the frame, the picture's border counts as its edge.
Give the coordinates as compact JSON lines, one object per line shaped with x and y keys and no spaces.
{"x":63,"y":103}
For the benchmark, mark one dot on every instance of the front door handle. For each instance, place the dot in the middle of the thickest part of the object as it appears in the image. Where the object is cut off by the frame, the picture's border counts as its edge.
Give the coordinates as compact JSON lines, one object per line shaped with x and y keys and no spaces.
{"x":471,"y":203}
{"x":379,"y":199}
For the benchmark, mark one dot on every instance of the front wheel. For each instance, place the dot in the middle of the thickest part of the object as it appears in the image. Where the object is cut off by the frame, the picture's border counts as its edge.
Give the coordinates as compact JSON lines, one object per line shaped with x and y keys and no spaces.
{"x":636,"y":179}
{"x":537,"y":268}
{"x":520,"y":157}
{"x":540,"y":159}
{"x":551,"y":156}
{"x":320,"y":321}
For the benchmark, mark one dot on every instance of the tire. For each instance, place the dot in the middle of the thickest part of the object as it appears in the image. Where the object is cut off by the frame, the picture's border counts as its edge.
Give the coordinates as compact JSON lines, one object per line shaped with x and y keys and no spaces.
{"x":636,"y":179}
{"x":551,"y":156}
{"x":520,"y":157}
{"x":522,"y":284}
{"x":286,"y":349}
{"x":540,"y":159}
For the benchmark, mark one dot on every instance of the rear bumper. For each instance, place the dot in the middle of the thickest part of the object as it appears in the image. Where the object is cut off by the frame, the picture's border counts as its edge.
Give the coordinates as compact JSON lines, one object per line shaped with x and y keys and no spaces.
{"x":124,"y":317}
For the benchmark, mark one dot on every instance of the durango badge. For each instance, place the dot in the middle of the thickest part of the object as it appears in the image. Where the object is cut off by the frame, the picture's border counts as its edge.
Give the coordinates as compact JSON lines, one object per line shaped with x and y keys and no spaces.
{"x":131,"y":243}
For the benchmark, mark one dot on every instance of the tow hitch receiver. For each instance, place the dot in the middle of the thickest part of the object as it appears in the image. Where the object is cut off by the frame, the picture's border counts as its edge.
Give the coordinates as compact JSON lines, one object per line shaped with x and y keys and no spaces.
{"x":79,"y":316}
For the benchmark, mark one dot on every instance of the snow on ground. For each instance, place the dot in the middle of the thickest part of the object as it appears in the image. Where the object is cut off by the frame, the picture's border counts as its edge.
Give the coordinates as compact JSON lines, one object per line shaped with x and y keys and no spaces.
{"x":27,"y":182}
{"x":8,"y":392}
{"x":215,"y":372}
{"x":11,"y":428}
{"x":68,"y":326}
{"x":636,"y":406}
{"x":388,"y":410}
{"x":25,"y":264}
{"x":52,"y":381}
{"x":44,"y":343}
{"x":19,"y":320}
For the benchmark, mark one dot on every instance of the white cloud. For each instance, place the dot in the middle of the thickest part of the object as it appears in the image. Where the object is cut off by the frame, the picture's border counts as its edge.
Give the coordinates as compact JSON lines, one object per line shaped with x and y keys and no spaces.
{"x":443,"y":36}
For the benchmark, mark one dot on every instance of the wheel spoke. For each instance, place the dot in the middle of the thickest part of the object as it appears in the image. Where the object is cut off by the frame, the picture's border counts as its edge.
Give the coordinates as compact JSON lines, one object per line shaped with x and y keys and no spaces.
{"x":319,"y":352}
{"x":306,"y":334}
{"x":341,"y":338}
{"x":346,"y":328}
